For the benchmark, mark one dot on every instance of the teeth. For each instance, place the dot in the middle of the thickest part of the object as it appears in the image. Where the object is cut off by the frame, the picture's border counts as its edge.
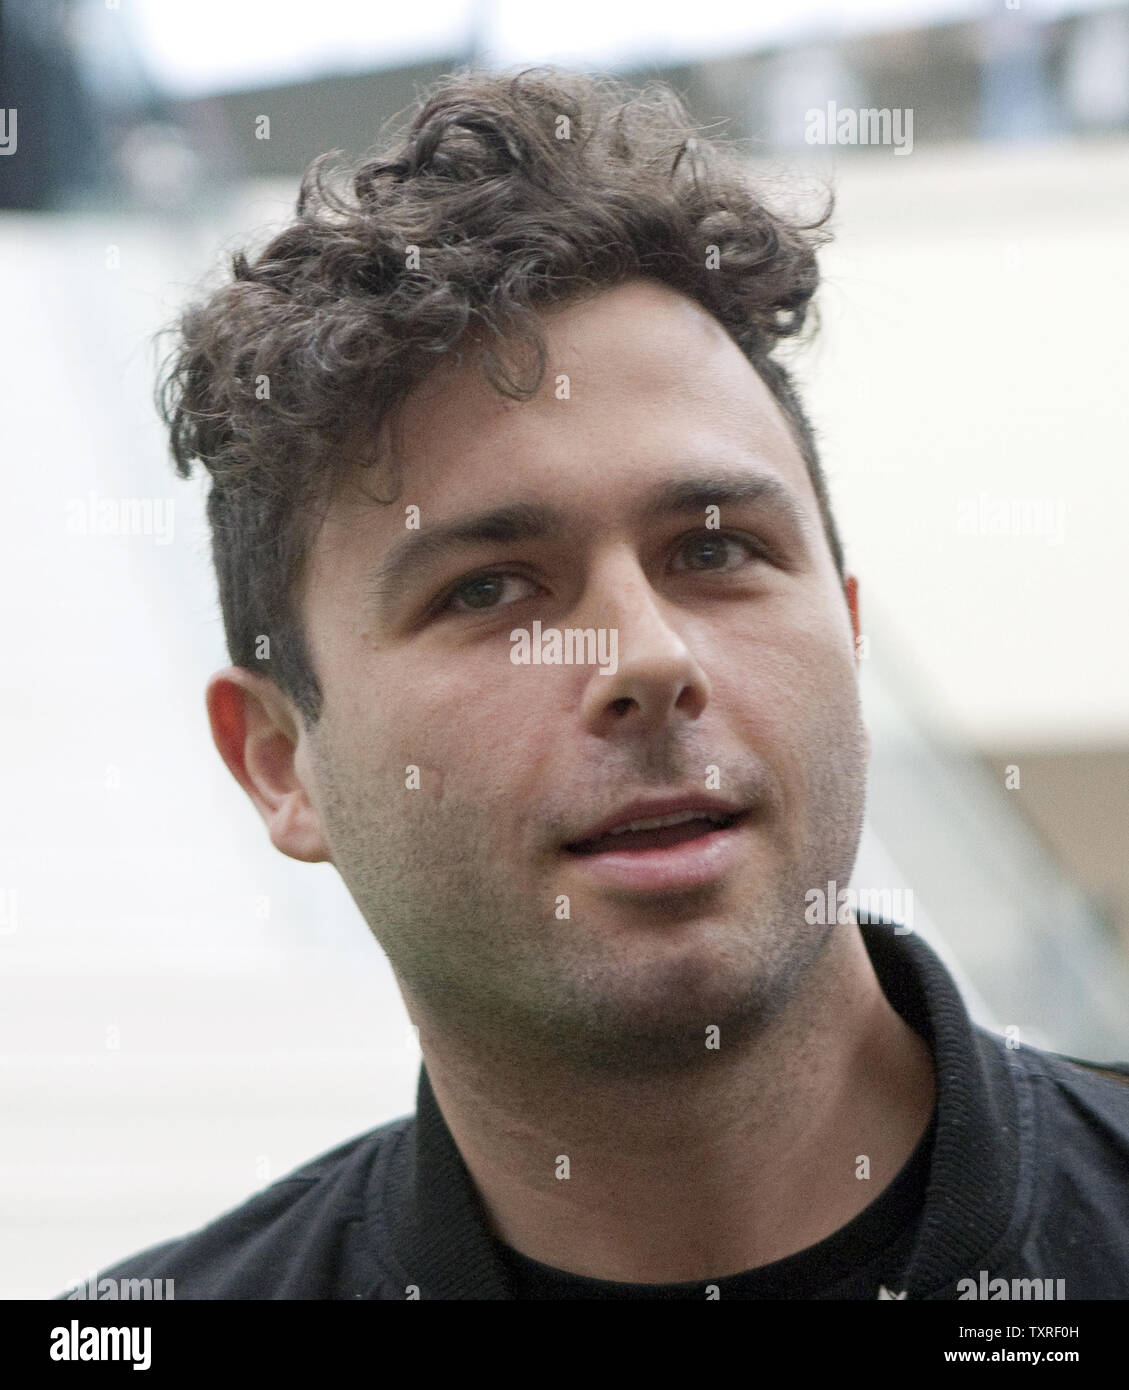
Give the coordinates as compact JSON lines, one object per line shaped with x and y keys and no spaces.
{"x":676,"y":818}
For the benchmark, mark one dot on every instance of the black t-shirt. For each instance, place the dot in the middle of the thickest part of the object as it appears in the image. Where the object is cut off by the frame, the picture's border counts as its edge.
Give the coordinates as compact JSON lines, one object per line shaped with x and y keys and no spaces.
{"x":866,"y":1255}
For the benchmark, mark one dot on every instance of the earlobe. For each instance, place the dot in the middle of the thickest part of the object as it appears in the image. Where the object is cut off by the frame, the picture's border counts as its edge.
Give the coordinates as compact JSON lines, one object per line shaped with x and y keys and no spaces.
{"x":258,"y":736}
{"x":851,"y":589}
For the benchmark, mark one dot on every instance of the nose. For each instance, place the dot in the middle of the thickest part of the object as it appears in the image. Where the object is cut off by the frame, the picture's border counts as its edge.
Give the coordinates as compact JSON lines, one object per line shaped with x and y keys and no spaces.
{"x":657,"y":675}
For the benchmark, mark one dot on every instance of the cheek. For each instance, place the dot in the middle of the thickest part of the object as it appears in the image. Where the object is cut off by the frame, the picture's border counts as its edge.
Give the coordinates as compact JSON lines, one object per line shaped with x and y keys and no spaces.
{"x":793,"y":658}
{"x":476,"y":732}
{"x":793,"y":691}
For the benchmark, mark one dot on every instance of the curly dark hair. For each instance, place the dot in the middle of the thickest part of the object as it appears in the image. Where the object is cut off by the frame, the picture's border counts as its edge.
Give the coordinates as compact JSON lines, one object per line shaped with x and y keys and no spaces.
{"x":520,"y":192}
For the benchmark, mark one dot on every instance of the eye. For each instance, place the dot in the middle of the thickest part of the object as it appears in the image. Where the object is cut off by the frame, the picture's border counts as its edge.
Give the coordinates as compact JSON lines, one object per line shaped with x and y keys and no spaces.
{"x":716,"y":544}
{"x":478,"y":594}
{"x":483,"y":592}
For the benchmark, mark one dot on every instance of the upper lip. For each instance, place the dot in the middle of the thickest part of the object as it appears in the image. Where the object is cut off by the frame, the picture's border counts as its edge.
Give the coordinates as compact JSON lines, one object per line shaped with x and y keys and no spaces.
{"x":666,"y":806}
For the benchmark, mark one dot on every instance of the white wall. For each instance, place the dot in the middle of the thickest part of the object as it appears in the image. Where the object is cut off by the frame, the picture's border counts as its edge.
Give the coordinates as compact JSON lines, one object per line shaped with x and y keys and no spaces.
{"x":976,"y":341}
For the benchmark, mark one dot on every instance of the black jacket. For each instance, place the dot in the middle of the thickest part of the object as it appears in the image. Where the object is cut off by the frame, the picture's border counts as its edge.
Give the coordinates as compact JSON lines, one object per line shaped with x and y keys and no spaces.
{"x":1029,"y":1179}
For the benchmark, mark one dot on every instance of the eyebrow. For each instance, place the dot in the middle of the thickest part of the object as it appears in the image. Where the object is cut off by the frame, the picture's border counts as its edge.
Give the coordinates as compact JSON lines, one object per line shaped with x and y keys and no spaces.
{"x":514,"y":522}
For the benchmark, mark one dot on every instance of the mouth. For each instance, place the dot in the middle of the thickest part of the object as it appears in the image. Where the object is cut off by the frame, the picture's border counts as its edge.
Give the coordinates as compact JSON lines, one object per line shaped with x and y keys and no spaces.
{"x":695,"y":853}
{"x":677,"y":830}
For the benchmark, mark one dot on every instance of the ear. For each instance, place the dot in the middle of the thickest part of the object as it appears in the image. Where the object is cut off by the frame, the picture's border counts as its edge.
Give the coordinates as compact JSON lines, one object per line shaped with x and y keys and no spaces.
{"x":851,"y":588}
{"x":260,"y":739}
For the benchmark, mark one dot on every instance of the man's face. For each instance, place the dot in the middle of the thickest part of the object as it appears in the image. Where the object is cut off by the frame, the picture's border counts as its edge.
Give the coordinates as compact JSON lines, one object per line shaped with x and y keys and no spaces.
{"x":735,"y":654}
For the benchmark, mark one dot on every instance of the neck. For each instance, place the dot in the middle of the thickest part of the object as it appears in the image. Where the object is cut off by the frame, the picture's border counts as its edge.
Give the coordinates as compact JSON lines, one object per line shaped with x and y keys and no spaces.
{"x":744,"y":1159}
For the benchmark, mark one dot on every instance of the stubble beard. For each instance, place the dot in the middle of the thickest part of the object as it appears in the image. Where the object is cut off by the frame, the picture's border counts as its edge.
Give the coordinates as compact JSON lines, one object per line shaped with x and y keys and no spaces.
{"x":493,"y":970}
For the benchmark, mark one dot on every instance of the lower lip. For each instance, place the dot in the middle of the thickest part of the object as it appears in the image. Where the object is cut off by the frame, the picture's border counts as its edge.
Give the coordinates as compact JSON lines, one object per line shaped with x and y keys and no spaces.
{"x":691,"y":864}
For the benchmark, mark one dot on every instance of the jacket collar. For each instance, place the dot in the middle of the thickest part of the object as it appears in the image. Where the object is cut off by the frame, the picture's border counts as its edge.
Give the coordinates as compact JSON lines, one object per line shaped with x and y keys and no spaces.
{"x":441,"y":1239}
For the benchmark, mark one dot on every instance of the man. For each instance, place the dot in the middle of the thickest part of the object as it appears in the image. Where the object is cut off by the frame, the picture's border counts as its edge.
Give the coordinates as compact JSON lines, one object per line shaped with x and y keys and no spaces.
{"x":543,"y":637}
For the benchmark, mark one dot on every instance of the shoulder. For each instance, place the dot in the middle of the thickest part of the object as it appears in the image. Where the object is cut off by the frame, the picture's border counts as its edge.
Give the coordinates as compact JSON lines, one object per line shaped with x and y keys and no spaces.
{"x":1102,"y":1082}
{"x":1062,"y":1122}
{"x":1095,"y":1093}
{"x":1071,"y":1090}
{"x":308,"y":1235}
{"x":1075,"y":1128}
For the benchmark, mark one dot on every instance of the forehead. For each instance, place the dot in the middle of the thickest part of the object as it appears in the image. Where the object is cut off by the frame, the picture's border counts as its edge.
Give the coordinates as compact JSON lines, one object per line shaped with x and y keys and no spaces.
{"x":640,"y":381}
{"x":640,"y":354}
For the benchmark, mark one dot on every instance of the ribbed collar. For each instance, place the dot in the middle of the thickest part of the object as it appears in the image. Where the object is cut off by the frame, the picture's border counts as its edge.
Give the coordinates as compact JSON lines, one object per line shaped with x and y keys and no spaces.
{"x":442,"y":1242}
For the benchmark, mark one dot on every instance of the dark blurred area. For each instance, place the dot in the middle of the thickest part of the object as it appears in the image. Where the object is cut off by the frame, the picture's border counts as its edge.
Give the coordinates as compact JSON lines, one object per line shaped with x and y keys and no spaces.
{"x":91,"y":125}
{"x":56,"y":126}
